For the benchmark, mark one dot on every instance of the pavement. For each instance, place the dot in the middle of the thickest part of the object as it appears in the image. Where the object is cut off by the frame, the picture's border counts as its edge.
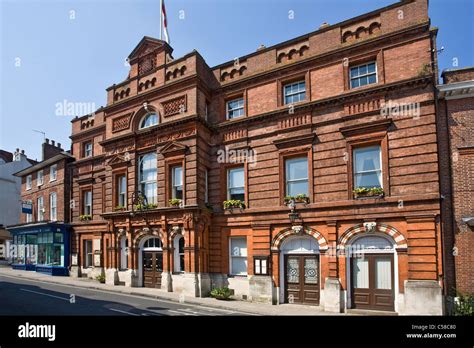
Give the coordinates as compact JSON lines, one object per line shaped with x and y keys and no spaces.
{"x":20,"y":288}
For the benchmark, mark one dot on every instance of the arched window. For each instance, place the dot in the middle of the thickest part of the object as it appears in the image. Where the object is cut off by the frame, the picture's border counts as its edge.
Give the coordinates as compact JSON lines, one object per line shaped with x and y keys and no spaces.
{"x":153,"y":243}
{"x":179,"y":254}
{"x":147,"y":176}
{"x":149,"y":120}
{"x":124,"y":253}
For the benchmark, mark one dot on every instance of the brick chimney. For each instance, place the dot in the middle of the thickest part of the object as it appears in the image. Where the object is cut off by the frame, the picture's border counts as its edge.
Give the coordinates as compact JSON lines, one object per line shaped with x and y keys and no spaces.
{"x":50,"y":149}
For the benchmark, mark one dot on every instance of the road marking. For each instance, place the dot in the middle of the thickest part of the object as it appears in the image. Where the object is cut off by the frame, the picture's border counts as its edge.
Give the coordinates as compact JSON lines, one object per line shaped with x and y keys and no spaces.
{"x":124,"y":312}
{"x":181,"y":312}
{"x":117,"y":293}
{"x":42,"y":293}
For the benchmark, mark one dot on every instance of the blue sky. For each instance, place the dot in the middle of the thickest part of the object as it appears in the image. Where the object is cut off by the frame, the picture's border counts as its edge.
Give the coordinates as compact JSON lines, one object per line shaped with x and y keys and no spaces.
{"x":50,"y":54}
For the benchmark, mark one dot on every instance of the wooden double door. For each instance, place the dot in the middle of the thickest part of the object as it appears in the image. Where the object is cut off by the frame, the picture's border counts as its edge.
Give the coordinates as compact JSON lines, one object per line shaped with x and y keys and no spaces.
{"x":152,"y":268}
{"x":302,"y":279}
{"x":372,"y":282}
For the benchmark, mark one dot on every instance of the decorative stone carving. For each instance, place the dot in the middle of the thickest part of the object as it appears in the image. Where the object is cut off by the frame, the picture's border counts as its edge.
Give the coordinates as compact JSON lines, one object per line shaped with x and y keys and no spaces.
{"x":298,"y":229}
{"x":176,"y":72}
{"x":233,"y":71}
{"x":146,"y":64}
{"x":370,"y":227}
{"x":178,"y":135}
{"x":144,"y":85}
{"x":123,"y":93}
{"x":235,"y":134}
{"x":121,"y":123}
{"x":290,"y":53}
{"x":174,"y":106}
{"x":294,"y":121}
{"x":362,"y":31}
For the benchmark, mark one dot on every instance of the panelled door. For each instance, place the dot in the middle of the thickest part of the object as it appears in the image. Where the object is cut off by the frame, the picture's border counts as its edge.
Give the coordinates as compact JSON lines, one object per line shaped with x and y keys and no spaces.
{"x":152,"y":269}
{"x":373,"y":282}
{"x":302,"y":279}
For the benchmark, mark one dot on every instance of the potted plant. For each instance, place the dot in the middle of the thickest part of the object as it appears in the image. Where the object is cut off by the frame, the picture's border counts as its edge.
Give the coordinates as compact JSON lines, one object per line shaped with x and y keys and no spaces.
{"x":175,"y":202}
{"x":85,"y":217}
{"x":368,"y":192}
{"x":143,"y":206}
{"x":101,"y":278}
{"x":301,"y":198}
{"x":223,"y":293}
{"x":288,"y":199}
{"x":233,"y":203}
{"x":119,"y":208}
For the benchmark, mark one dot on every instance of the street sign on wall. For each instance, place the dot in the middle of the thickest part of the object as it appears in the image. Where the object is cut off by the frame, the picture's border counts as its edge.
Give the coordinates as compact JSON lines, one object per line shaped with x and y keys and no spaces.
{"x":27,"y":207}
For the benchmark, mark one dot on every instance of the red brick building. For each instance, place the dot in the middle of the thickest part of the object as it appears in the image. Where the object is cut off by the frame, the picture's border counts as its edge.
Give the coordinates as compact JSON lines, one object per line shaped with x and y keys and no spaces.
{"x":456,"y":131}
{"x":323,"y":149}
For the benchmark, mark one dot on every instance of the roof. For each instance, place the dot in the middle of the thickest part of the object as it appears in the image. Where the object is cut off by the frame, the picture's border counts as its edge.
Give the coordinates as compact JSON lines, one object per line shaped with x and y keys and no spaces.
{"x":148,"y":39}
{"x":43,"y":164}
{"x":447,"y":71}
{"x":7,"y":156}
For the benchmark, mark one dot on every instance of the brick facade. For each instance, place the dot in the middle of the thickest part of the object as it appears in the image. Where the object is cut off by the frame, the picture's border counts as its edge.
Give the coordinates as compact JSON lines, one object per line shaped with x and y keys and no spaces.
{"x":333,"y":119}
{"x":456,"y":122}
{"x":52,"y":155}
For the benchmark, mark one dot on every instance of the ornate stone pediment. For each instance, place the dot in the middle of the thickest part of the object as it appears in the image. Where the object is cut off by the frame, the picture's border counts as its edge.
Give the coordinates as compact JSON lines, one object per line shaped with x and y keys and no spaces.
{"x":145,"y":46}
{"x":173,"y":148}
{"x":119,"y":160}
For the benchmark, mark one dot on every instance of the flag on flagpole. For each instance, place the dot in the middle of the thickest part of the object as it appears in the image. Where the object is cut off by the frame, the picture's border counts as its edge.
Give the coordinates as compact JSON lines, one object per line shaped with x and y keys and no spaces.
{"x":164,"y":23}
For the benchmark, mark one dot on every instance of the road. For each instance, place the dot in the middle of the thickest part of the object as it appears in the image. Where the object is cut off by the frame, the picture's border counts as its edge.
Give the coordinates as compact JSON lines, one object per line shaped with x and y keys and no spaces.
{"x":31,"y":297}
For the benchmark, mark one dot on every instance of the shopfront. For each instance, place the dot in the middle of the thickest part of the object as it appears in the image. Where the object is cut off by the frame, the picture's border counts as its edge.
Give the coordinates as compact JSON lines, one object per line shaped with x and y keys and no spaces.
{"x":41,"y":247}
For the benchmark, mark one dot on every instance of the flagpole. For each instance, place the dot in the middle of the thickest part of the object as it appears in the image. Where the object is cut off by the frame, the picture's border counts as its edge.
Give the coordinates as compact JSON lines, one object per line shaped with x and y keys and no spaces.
{"x":161,"y":19}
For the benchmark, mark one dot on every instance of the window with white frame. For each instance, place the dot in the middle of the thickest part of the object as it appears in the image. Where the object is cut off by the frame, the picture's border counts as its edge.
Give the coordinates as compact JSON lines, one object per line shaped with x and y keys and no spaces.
{"x":122,"y":191}
{"x":294,"y":92}
{"x":179,"y":254}
{"x":124,"y":253}
{"x":29,"y":217}
{"x":40,"y":207}
{"x":149,"y":120}
{"x":260,"y":265}
{"x":88,"y":253}
{"x":88,"y":149}
{"x":177,"y":182}
{"x":147,"y":176}
{"x":367,"y":167}
{"x":236,"y":184}
{"x":53,"y":210}
{"x":87,"y":203}
{"x":53,"y":172}
{"x":39,"y":178}
{"x":364,"y":74}
{"x":296,"y":175}
{"x":238,"y":256}
{"x":235,"y":108}
{"x":29,"y":179}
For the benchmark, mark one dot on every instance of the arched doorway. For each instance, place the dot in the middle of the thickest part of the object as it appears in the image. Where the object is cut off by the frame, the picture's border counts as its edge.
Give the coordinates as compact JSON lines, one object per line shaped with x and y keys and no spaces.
{"x":152,"y":262}
{"x":372,"y":272}
{"x":299,"y":260}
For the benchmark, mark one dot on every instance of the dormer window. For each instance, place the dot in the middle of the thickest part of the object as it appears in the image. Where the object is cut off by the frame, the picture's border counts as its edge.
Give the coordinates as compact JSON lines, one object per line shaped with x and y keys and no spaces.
{"x":149,"y":120}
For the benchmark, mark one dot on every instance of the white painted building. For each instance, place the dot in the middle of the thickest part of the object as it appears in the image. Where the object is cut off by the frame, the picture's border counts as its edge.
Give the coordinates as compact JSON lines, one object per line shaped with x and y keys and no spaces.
{"x":10,"y":190}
